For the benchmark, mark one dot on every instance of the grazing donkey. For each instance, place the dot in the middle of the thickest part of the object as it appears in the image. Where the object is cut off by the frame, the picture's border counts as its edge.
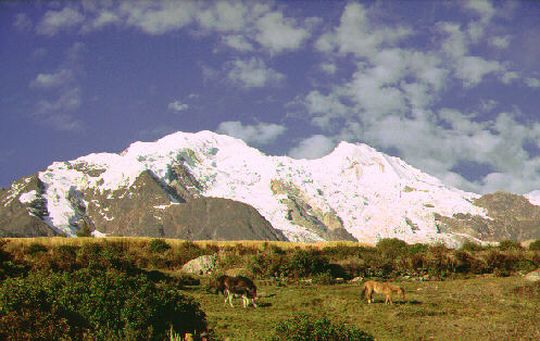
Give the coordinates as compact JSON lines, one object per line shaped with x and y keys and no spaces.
{"x":238,"y":286}
{"x":382,"y":288}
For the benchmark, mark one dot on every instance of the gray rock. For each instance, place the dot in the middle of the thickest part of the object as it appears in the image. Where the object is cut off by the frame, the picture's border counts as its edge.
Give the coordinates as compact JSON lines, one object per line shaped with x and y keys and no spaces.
{"x":202,"y":265}
{"x":533,"y":276}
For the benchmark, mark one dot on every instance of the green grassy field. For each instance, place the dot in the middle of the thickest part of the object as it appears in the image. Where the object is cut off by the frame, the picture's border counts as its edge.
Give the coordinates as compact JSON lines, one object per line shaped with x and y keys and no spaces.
{"x":482,"y":308}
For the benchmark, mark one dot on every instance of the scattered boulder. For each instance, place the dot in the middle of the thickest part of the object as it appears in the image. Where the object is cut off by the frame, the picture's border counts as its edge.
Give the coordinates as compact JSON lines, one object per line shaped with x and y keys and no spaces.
{"x":202,"y":265}
{"x":357,"y":279}
{"x":533,"y":276}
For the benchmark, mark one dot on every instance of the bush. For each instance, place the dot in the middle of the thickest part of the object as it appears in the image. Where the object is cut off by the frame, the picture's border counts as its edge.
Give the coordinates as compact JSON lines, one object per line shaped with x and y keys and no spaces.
{"x":158,"y":246}
{"x":304,"y":327}
{"x":506,"y":245}
{"x":471,"y":246}
{"x":323,"y":278}
{"x":36,"y":249}
{"x":305,"y":263}
{"x":96,"y":304}
{"x":535,"y":246}
{"x":392,"y":247}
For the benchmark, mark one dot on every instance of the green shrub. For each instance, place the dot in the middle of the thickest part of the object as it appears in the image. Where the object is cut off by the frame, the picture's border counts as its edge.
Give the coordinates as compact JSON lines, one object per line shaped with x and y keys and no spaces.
{"x":304,"y":327}
{"x":100,"y":305}
{"x":418,"y":248}
{"x":471,"y":246}
{"x":535,"y":246}
{"x":36,"y":249}
{"x":323,"y":278}
{"x":158,"y":246}
{"x":392,"y":247}
{"x":505,"y":245}
{"x":499,"y":263}
{"x":305,"y":263}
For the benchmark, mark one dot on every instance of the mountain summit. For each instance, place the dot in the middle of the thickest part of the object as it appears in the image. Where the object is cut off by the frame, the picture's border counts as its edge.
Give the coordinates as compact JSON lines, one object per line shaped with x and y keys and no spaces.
{"x":209,"y":186}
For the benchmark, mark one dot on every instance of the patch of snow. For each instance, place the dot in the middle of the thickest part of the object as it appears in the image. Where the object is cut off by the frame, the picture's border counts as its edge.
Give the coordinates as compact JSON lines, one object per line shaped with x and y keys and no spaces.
{"x":28,"y":197}
{"x":534,"y":197}
{"x":98,"y":234}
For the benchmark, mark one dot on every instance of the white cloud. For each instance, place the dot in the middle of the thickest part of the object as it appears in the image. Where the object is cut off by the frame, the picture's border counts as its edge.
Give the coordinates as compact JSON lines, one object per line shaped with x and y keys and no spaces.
{"x":238,"y":43}
{"x":354,"y":34}
{"x":313,"y":147}
{"x":156,"y":18}
{"x":178,"y":106}
{"x":224,"y":16}
{"x":68,"y":100}
{"x":472,"y":69}
{"x":532,"y":82}
{"x":500,"y":42}
{"x":483,"y":8}
{"x":509,"y":76}
{"x":325,"y":109}
{"x":329,"y":68}
{"x":279,"y":34}
{"x":57,"y":112}
{"x":103,"y":18}
{"x":51,"y":80}
{"x":253,"y":73}
{"x":54,"y":21}
{"x":456,"y":43}
{"x":258,"y":134}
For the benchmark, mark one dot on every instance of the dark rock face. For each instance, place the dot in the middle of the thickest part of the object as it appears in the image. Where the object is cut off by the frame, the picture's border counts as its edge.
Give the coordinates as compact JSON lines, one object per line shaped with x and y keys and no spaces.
{"x":143,"y":209}
{"x":24,"y":219}
{"x":512,"y":217}
{"x":217,"y":219}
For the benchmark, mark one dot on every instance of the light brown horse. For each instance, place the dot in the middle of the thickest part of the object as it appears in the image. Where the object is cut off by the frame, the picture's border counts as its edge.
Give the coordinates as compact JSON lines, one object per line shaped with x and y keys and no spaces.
{"x":385,"y":288}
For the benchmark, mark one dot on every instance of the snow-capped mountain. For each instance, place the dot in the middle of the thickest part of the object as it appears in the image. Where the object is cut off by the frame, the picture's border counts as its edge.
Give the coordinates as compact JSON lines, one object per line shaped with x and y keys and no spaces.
{"x":154,"y":188}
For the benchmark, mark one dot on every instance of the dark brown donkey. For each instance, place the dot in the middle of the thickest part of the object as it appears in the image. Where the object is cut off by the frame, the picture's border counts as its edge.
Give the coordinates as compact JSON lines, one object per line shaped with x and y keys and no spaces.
{"x":239,"y":286}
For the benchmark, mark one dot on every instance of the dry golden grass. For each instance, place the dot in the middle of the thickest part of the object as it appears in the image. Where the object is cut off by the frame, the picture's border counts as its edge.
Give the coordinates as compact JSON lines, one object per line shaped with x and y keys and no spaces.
{"x":174,"y":243}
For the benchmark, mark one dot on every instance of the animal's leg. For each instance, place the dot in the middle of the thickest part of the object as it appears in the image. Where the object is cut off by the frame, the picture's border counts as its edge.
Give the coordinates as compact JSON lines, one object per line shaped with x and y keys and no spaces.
{"x":230,"y":297}
{"x":253,"y":302}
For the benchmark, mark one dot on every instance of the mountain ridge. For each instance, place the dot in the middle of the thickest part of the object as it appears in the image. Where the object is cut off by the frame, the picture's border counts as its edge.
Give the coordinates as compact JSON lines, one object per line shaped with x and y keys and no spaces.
{"x":353,"y":193}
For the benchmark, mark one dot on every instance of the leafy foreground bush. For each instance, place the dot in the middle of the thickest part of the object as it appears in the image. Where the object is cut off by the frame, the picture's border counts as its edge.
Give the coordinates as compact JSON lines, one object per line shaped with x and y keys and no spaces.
{"x":535,"y":246}
{"x":98,"y":305}
{"x":307,"y":328}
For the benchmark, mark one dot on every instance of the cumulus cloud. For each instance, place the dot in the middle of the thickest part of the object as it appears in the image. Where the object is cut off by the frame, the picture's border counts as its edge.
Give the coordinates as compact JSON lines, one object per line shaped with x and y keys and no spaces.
{"x":471,"y":70}
{"x":532,"y":82}
{"x":354,"y":34}
{"x":253,"y":73}
{"x":329,"y":68}
{"x":54,"y":21}
{"x":158,"y":17}
{"x":224,"y":16}
{"x":238,"y":42}
{"x":500,"y":42}
{"x":279,"y":34}
{"x":258,"y":134}
{"x":52,"y":80}
{"x":178,"y":106}
{"x":57,"y":112}
{"x":313,"y":147}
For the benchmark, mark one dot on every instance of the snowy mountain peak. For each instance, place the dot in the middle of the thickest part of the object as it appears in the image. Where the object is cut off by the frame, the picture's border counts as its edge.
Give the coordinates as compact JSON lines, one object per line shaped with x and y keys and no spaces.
{"x":354,"y":192}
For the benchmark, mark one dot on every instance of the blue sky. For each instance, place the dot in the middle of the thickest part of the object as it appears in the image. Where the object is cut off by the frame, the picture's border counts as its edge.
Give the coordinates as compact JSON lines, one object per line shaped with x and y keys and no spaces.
{"x":453,"y":88}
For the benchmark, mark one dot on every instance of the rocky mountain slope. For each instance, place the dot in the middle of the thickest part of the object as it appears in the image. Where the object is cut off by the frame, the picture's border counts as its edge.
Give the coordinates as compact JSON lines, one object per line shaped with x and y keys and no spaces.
{"x":210,"y":186}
